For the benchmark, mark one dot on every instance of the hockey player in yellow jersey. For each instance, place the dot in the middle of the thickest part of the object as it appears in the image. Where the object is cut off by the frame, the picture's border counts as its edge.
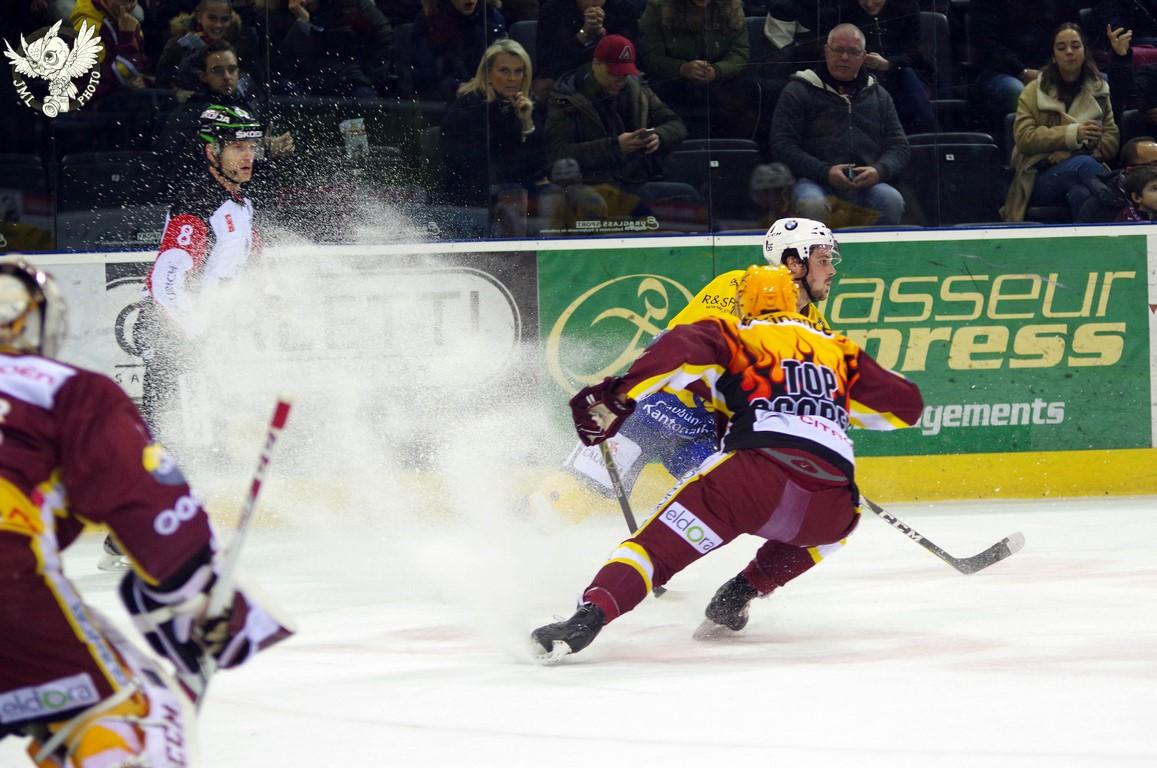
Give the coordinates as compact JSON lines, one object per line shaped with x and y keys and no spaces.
{"x":806,"y":247}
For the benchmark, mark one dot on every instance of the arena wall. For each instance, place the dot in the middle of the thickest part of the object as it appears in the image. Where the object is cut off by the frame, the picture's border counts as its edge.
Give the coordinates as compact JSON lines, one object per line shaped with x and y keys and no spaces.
{"x":1035,"y":348}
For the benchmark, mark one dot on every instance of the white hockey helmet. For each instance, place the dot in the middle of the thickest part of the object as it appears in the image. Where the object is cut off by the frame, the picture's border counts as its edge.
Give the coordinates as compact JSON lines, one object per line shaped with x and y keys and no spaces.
{"x":800,"y":236}
{"x":33,"y":315}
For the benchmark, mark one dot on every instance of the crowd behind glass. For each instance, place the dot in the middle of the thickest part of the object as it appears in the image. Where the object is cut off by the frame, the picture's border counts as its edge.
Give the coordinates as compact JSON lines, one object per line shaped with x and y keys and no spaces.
{"x":572,"y":118}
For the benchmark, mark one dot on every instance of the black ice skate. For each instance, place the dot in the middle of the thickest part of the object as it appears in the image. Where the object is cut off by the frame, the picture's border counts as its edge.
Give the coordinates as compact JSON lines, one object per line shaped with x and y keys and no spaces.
{"x":554,"y":641}
{"x":728,"y":609}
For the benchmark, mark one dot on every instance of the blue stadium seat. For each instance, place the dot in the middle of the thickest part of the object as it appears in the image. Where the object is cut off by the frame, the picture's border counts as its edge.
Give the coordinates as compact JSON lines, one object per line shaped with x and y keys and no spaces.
{"x":525,"y":33}
{"x":110,"y":200}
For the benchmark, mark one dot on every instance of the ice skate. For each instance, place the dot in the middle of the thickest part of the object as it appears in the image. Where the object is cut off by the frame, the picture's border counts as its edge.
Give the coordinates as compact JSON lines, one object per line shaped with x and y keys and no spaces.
{"x":727,"y":612}
{"x":555,"y":641}
{"x":112,"y":559}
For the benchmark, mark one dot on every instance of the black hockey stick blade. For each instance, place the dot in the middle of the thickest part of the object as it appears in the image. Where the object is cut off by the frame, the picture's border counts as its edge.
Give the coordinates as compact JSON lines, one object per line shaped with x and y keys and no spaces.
{"x":624,"y":502}
{"x":1006,"y":547}
{"x":1002,"y":549}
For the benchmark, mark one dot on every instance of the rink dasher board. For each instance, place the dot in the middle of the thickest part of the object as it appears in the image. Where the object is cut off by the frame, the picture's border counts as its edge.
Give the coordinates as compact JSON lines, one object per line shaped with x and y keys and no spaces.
{"x":1048,"y":472}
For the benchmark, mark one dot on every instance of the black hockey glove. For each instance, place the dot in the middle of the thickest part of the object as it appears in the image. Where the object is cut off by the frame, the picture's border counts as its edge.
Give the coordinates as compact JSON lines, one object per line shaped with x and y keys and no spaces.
{"x":597,"y":412}
{"x":173,"y":621}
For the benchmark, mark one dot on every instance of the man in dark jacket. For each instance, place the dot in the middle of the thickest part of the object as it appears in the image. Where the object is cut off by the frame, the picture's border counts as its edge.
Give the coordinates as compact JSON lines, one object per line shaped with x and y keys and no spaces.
{"x":838,"y":132}
{"x":613,"y":124}
{"x":1109,"y":196}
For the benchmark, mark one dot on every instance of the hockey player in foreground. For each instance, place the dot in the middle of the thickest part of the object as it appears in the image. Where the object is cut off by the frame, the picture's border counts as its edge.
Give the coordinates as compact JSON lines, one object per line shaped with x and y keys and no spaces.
{"x":786,"y":468}
{"x":75,"y":449}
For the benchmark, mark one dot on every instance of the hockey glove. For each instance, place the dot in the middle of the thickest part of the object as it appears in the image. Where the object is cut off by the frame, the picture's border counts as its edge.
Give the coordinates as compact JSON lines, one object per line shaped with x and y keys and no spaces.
{"x":173,"y":621}
{"x":597,"y":411}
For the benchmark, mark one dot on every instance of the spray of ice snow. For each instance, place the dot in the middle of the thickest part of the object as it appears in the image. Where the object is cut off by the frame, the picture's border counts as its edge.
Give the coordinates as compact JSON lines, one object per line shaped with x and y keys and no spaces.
{"x":414,"y":441}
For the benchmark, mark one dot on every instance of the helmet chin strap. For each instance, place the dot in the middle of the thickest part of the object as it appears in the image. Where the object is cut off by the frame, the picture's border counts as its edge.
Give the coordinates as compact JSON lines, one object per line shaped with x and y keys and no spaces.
{"x":802,"y":280}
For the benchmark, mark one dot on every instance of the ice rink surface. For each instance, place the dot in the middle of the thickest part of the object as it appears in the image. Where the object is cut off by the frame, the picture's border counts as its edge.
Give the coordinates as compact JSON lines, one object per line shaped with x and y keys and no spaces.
{"x":411,"y":650}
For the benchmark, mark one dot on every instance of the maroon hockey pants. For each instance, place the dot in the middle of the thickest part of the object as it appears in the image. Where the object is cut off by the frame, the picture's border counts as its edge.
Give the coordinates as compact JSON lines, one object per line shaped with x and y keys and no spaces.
{"x":732,"y":493}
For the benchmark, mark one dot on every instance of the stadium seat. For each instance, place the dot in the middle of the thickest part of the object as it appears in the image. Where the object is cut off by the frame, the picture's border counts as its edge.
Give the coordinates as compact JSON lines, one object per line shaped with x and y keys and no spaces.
{"x":26,"y":212}
{"x":431,"y":138}
{"x":936,"y":45}
{"x":956,"y":183}
{"x":689,"y":145}
{"x":111,"y":200}
{"x":1134,"y":123}
{"x":404,"y":50}
{"x":20,"y":171}
{"x":720,"y":175}
{"x":525,"y":33}
{"x":950,"y":137}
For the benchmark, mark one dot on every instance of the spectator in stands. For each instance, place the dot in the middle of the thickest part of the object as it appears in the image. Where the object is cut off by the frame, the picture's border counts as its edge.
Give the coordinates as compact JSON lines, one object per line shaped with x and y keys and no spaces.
{"x":695,"y":55}
{"x":211,"y":21}
{"x":892,"y":31}
{"x":331,"y":48}
{"x":567,"y":200}
{"x":1141,"y":185}
{"x":605,"y":117}
{"x":838,"y":132}
{"x":219,"y":82}
{"x":1109,"y":196}
{"x":770,"y":189}
{"x":449,"y":40}
{"x":1011,"y":41}
{"x":569,"y":30}
{"x":1140,"y":18}
{"x":400,"y":12}
{"x":489,"y":139}
{"x":793,"y":37}
{"x":1064,"y":131}
{"x":122,"y":62}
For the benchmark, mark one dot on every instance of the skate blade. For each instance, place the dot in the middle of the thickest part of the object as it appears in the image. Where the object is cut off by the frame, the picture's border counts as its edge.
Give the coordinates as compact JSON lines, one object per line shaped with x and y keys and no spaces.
{"x":549,"y":658}
{"x":113,"y":563}
{"x":709,"y":630}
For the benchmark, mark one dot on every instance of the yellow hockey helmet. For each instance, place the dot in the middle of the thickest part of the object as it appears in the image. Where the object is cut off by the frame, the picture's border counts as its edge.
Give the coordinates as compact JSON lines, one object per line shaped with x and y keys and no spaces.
{"x":767,"y":289}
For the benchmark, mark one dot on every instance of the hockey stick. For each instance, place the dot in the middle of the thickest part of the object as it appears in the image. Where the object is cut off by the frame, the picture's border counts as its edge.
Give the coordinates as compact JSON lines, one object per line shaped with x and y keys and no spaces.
{"x":624,"y":502}
{"x":1006,"y":547}
{"x":221,"y":595}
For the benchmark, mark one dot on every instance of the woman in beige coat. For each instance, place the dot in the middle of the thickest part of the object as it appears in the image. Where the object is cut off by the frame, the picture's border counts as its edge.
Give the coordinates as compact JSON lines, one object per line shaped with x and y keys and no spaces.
{"x":1064,"y":130}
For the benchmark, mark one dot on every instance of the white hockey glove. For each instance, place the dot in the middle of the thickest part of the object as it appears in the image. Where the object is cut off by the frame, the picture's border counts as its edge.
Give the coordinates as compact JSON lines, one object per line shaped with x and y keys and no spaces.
{"x":173,"y":620}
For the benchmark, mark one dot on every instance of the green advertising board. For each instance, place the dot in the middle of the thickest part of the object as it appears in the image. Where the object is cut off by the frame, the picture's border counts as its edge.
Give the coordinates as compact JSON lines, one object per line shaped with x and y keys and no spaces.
{"x":598,"y":309}
{"x":1017,"y":344}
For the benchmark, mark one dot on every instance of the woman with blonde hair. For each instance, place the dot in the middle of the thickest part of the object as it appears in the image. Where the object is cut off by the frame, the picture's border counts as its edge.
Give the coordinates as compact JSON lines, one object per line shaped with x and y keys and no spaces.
{"x":493,"y":112}
{"x":1064,"y":130}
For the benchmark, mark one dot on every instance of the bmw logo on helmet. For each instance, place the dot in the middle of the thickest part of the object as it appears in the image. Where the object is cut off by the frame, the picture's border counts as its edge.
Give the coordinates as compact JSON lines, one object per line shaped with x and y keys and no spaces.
{"x":790,"y":224}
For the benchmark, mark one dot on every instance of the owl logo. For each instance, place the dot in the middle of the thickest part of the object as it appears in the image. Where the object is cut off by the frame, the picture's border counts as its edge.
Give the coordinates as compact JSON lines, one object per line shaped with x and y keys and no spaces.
{"x":50,"y":58}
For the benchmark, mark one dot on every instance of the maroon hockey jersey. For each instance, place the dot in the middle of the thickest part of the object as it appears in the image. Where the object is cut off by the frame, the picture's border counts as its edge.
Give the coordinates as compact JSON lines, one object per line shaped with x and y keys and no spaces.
{"x":74,"y":449}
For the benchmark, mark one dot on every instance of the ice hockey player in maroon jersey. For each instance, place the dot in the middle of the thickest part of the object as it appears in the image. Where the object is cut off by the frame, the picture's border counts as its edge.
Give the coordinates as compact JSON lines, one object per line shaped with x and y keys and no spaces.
{"x":74,"y":449}
{"x":786,"y":469}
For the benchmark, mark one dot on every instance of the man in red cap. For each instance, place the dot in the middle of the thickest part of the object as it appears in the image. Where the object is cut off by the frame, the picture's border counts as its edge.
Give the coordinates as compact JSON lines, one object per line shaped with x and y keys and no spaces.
{"x":603,"y":116}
